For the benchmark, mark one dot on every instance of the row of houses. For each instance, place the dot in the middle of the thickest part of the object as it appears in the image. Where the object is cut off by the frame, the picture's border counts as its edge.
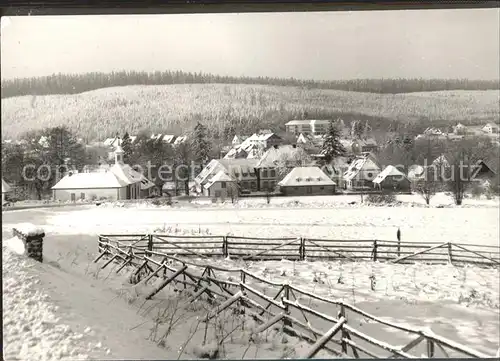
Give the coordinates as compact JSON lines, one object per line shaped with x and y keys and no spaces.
{"x":460,"y":131}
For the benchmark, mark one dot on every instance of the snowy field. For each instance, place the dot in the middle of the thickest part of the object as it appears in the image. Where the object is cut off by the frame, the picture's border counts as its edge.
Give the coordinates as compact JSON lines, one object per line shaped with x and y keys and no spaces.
{"x":477,"y":222}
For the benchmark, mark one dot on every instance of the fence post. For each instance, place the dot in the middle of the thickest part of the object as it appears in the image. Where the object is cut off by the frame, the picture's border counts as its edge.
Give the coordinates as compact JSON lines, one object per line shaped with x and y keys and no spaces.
{"x":398,"y":235}
{"x":150,"y":244}
{"x":450,"y":255}
{"x":344,"y":333}
{"x":430,"y":348}
{"x":374,"y":252}
{"x":302,"y":249}
{"x":224,"y":246}
{"x":286,"y":292}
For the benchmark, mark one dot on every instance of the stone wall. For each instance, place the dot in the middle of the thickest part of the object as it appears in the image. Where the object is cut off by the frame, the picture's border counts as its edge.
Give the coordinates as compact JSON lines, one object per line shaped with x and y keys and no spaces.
{"x":33,"y":241}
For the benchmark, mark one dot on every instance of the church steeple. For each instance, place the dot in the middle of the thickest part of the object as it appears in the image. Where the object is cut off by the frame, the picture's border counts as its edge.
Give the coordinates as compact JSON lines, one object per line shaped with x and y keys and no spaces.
{"x":118,"y":155}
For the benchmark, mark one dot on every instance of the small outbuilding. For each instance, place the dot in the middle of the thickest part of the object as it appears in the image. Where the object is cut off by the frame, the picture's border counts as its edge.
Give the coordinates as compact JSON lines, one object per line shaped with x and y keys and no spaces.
{"x":306,"y":181}
{"x":392,"y":179}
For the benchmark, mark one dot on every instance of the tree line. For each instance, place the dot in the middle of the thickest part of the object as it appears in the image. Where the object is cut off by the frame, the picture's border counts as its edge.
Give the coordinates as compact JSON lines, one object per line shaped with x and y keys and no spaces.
{"x":79,"y":83}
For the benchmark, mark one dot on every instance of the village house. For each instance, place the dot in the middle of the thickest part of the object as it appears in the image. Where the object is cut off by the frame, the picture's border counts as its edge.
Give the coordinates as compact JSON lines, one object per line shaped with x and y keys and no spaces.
{"x":361,"y":173}
{"x":242,"y":171}
{"x":264,"y":141}
{"x":119,"y":182}
{"x":490,"y":128}
{"x":5,"y":190}
{"x":220,"y":186}
{"x":274,"y":160}
{"x":306,"y":181}
{"x":392,"y":179}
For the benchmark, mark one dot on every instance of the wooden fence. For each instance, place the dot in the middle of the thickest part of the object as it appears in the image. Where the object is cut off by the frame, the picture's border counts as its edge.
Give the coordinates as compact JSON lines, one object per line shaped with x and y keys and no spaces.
{"x":276,"y":305}
{"x":299,"y":249}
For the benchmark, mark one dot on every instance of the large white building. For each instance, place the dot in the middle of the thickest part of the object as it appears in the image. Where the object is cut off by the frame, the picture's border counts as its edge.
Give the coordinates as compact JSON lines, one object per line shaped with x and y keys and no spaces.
{"x":118,"y":182}
{"x":314,"y":127}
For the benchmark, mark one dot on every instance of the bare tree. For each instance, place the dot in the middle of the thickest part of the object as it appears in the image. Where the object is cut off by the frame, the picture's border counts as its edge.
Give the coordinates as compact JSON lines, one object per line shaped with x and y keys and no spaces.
{"x":427,"y":187}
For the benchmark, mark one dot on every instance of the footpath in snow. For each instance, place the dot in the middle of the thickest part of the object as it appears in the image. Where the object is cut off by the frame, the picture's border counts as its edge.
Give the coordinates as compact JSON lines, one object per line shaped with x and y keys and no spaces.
{"x":49,"y":314}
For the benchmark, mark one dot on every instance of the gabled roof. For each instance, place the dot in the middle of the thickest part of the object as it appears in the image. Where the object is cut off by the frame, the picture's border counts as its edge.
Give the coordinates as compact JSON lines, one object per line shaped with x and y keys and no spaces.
{"x":221,"y":176}
{"x":389,"y":171}
{"x":168,"y":138}
{"x":92,"y":180}
{"x":5,"y":187}
{"x":180,"y":139}
{"x":360,"y":163}
{"x":130,"y":176}
{"x":274,"y":155}
{"x":119,"y":175}
{"x":306,"y":176}
{"x":493,"y":125}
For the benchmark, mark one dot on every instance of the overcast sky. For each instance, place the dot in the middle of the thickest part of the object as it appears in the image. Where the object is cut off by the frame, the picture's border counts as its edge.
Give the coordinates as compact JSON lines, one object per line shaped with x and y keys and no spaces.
{"x":324,"y":46}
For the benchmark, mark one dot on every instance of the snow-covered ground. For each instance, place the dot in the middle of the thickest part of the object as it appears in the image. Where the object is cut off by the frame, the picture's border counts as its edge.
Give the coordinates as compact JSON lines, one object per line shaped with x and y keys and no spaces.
{"x":31,"y":328}
{"x":474,"y":225}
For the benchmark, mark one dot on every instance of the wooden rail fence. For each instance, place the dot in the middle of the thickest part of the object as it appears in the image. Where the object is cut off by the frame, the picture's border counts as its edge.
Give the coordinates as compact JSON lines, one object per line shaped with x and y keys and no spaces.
{"x":299,"y":249}
{"x":337,"y":334}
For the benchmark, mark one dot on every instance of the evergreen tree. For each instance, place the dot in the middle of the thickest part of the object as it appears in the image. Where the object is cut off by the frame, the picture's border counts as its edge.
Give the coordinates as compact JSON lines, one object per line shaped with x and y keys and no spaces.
{"x":332,"y":147}
{"x":127,"y":148}
{"x":200,"y":146}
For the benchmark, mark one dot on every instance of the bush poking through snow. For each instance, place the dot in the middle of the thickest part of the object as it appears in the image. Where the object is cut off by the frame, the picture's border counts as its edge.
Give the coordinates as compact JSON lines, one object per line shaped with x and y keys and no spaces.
{"x":383,"y":198}
{"x":209,"y":351}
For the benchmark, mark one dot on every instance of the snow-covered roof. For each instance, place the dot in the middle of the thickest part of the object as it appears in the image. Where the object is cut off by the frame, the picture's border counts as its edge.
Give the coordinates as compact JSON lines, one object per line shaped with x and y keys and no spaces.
{"x":491,"y":125}
{"x":5,"y":187}
{"x":275,"y":154}
{"x":92,"y":180}
{"x":306,"y":176}
{"x":130,"y":176}
{"x":389,"y":171}
{"x":221,"y":176}
{"x":113,"y":142}
{"x":119,"y":175}
{"x":416,"y":171}
{"x":168,"y":138}
{"x":180,"y":139}
{"x":365,"y":163}
{"x":308,"y":121}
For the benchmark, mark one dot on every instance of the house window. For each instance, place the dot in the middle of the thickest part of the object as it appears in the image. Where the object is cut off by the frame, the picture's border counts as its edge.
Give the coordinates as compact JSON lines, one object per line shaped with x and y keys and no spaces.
{"x":73,"y":197}
{"x":272,"y":173}
{"x":264,"y":173}
{"x":244,"y":185}
{"x":217,"y":194}
{"x":254,"y":186}
{"x":272,"y":184}
{"x":264,"y":185}
{"x":223,"y":184}
{"x":82,"y":196}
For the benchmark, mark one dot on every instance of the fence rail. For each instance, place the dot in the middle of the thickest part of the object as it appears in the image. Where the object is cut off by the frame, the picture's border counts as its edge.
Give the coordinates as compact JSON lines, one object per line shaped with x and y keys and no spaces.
{"x":299,"y":249}
{"x":336,"y":334}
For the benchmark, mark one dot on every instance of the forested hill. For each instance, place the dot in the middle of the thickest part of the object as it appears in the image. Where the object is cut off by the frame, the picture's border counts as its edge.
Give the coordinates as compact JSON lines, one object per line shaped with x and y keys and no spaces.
{"x":79,"y":83}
